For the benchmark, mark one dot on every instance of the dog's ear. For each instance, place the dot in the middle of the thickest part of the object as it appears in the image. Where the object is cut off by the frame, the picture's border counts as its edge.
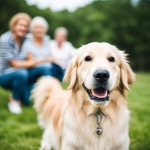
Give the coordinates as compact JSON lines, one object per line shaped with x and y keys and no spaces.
{"x":71,"y":73}
{"x":127,"y":75}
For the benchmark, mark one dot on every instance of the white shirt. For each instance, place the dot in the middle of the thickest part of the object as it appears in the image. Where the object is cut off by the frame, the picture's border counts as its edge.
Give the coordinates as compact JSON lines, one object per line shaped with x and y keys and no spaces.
{"x":63,"y":54}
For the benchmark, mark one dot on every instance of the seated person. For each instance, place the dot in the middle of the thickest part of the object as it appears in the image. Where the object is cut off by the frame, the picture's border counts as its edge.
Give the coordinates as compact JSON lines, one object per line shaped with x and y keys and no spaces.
{"x":62,"y":51}
{"x":16,"y":73}
{"x":37,"y":46}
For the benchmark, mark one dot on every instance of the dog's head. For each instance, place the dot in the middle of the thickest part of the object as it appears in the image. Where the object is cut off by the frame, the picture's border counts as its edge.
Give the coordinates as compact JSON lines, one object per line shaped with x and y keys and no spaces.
{"x":98,"y":69}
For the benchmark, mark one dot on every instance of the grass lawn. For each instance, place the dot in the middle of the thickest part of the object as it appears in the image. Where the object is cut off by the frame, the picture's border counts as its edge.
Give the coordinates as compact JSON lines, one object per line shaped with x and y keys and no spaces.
{"x":21,"y":132}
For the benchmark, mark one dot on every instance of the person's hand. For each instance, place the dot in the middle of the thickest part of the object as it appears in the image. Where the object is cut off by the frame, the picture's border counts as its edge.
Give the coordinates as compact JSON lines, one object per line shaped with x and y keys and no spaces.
{"x":56,"y":62}
{"x":32,"y":63}
{"x":51,"y":59}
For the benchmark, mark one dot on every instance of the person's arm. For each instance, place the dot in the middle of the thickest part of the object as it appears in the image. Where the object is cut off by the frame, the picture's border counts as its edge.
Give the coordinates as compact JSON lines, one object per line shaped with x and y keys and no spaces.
{"x":30,"y":62}
{"x":53,"y":60}
{"x":28,"y":49}
{"x":29,"y":56}
{"x":26,"y":63}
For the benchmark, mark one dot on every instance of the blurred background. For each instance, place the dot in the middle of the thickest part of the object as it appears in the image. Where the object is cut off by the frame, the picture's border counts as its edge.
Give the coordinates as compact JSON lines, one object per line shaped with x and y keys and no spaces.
{"x":124,"y":23}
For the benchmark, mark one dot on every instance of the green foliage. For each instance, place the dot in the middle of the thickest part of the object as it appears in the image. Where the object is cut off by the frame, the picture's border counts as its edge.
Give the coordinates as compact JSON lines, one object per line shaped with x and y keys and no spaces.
{"x":118,"y":22}
{"x":21,"y":132}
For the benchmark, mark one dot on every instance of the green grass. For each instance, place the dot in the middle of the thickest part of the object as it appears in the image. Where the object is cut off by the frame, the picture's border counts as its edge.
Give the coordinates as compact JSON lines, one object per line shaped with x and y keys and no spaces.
{"x":139,"y":104}
{"x":21,"y":132}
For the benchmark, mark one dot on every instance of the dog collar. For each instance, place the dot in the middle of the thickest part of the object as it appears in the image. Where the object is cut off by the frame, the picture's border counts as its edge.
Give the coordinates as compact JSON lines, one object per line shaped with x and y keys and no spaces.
{"x":98,"y":115}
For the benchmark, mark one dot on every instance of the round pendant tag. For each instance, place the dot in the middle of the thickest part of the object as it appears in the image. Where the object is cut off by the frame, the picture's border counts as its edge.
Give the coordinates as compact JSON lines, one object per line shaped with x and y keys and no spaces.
{"x":98,"y":130}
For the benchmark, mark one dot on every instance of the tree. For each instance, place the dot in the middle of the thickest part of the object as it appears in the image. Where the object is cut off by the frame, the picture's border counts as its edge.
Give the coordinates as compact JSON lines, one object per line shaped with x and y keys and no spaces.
{"x":117,"y":22}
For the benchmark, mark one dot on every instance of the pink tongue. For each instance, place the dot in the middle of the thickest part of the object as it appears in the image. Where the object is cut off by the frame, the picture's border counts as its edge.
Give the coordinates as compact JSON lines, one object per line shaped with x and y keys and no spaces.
{"x":99,"y":94}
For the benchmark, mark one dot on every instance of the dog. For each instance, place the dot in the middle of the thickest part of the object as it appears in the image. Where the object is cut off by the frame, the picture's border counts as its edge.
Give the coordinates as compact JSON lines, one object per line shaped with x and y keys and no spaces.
{"x":92,"y":114}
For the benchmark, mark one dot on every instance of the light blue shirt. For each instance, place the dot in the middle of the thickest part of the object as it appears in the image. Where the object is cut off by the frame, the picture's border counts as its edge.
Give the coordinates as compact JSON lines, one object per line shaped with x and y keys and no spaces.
{"x":29,"y":46}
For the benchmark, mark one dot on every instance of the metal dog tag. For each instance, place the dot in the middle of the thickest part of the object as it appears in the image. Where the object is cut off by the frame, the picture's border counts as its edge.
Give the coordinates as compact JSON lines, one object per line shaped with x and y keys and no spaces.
{"x":99,"y":130}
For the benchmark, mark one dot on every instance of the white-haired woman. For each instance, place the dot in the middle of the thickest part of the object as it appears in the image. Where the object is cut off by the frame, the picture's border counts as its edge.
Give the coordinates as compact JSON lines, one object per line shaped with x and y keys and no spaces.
{"x":37,"y":46}
{"x":62,"y":51}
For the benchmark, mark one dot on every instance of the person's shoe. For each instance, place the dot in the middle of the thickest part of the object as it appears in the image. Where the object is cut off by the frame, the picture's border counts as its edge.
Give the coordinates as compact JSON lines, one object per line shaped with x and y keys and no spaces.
{"x":10,"y":98}
{"x":14,"y":108}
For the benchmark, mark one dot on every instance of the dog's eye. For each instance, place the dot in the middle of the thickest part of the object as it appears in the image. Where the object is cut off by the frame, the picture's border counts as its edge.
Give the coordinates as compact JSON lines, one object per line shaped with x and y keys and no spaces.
{"x":88,"y":58}
{"x":111,"y":59}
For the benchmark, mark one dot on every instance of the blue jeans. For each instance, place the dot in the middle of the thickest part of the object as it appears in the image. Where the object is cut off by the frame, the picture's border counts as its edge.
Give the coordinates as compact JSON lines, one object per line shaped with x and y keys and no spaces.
{"x":21,"y":80}
{"x":57,"y":72}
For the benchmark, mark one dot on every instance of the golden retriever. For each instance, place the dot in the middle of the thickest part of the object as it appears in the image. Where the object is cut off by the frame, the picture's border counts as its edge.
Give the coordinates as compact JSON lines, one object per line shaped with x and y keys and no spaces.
{"x":92,"y":114}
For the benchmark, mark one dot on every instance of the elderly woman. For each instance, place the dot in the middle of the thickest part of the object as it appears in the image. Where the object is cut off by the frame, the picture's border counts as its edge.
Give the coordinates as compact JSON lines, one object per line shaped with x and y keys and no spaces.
{"x":37,"y":46}
{"x":62,"y":51}
{"x":16,"y":73}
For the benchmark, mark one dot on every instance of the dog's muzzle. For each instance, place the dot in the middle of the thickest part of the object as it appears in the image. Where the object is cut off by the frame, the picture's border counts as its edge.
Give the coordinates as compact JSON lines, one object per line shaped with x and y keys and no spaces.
{"x":100,"y":94}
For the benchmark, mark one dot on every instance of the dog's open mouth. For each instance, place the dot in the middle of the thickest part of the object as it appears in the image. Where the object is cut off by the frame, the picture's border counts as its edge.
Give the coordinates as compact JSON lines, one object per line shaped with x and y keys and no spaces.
{"x":100,"y":94}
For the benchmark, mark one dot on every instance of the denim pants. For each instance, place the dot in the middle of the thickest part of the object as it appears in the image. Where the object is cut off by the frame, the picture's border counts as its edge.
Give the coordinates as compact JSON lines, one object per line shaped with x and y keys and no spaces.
{"x":21,"y":80}
{"x":57,"y":72}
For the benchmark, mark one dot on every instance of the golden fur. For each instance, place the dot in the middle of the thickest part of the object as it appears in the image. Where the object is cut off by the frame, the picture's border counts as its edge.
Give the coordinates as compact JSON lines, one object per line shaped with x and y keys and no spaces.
{"x":69,"y":117}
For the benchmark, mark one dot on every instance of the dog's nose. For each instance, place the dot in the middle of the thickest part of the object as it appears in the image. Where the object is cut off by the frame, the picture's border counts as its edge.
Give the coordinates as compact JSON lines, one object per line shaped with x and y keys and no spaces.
{"x":101,"y":76}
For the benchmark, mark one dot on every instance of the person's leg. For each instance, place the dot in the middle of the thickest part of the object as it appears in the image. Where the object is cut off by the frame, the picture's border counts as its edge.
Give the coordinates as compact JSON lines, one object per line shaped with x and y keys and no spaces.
{"x":16,"y":82}
{"x":37,"y":72}
{"x":25,"y":96}
{"x":63,"y":73}
{"x":54,"y":70}
{"x":57,"y":72}
{"x":34,"y":74}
